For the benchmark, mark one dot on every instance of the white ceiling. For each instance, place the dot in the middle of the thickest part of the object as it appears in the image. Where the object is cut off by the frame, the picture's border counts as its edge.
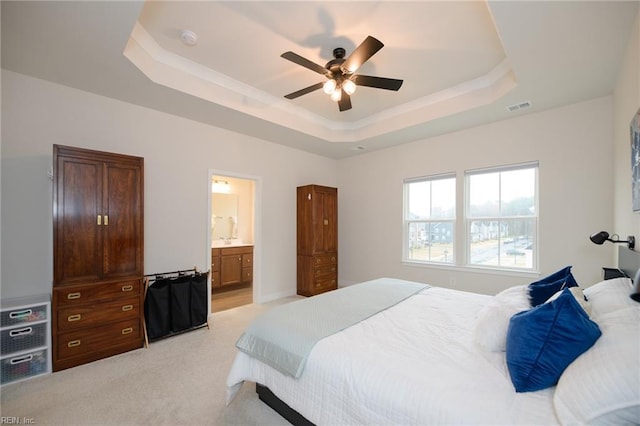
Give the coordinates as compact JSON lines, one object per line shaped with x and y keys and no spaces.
{"x":463,"y":63}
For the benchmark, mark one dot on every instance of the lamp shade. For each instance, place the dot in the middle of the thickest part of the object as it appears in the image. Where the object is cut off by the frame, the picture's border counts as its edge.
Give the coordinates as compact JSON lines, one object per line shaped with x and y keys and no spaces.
{"x":599,"y":237}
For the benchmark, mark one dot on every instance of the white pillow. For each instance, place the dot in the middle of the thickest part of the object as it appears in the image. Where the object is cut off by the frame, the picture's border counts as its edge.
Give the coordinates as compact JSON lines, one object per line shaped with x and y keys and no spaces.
{"x":602,"y":386}
{"x":490,"y":331}
{"x":609,"y":296}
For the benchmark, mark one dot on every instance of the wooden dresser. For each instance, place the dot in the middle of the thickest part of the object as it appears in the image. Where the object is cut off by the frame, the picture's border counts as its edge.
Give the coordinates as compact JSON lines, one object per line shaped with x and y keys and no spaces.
{"x":317,"y":239}
{"x":98,"y":255}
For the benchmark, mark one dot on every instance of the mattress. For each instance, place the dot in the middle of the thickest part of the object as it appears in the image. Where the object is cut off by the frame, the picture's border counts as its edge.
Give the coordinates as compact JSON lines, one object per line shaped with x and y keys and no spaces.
{"x":414,"y":363}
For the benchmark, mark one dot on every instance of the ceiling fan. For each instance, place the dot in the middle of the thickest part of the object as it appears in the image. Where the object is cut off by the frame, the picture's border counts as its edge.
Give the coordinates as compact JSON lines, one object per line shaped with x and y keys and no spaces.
{"x":341,"y":81}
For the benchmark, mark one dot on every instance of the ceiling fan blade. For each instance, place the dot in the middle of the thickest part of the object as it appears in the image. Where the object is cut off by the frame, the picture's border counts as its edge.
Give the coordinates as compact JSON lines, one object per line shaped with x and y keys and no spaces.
{"x":304,"y":91}
{"x":361,"y":54}
{"x":378,"y":82}
{"x":297,"y":59}
{"x":345,"y":101}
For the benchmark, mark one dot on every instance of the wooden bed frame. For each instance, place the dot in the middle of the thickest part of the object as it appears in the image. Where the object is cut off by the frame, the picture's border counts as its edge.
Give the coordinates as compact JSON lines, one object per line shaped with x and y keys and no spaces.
{"x":628,"y":262}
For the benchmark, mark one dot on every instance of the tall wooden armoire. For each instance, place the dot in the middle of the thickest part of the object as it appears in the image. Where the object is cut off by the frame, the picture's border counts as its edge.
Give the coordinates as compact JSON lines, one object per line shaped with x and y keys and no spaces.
{"x":317,"y":239}
{"x":98,"y":252}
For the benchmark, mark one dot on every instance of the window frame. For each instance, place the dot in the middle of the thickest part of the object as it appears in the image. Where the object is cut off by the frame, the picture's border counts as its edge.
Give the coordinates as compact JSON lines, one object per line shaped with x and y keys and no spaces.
{"x":468,"y":220}
{"x":461,"y":222}
{"x":406,"y":223}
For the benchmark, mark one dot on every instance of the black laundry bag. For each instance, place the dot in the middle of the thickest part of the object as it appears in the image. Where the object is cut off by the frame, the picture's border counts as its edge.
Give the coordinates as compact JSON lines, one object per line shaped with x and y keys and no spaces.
{"x":180,"y":303}
{"x":199,"y":299}
{"x":157,"y":309}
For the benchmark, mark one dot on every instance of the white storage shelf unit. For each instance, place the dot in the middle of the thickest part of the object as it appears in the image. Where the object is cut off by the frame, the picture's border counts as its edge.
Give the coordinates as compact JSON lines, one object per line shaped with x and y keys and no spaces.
{"x":25,"y":343}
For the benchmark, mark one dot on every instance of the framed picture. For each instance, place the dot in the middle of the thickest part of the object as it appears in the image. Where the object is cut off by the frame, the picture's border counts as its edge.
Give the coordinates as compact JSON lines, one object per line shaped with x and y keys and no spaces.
{"x":635,"y":161}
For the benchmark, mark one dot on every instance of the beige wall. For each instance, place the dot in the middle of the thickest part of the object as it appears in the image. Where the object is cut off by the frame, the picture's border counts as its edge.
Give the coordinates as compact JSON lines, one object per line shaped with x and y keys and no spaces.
{"x":179,"y":155}
{"x":626,"y":103}
{"x":573,"y":145}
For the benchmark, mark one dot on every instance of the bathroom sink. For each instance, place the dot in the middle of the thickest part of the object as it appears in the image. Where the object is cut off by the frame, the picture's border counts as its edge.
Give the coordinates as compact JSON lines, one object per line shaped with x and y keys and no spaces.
{"x":224,"y":243}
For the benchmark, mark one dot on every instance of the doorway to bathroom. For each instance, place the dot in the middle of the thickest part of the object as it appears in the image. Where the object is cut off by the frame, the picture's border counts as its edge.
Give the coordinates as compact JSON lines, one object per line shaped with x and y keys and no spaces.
{"x":232,"y":240}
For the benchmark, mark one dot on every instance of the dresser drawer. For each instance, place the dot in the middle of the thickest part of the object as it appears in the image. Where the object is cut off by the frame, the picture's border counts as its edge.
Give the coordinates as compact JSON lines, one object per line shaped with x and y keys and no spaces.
{"x":23,"y":338}
{"x":87,"y":293}
{"x":325,"y":259}
{"x":324,"y":284}
{"x":81,"y":342}
{"x":331,"y":271}
{"x":23,"y":315}
{"x":88,"y":315}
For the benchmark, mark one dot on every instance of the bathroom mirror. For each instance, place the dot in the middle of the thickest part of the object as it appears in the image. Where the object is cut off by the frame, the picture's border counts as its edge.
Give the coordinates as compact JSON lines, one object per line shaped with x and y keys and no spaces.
{"x":224,"y":216}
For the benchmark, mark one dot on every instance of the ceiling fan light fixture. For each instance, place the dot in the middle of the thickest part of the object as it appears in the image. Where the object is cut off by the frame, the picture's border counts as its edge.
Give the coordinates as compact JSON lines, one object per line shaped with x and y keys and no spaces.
{"x":349,"y":87}
{"x":336,"y":95}
{"x":329,"y":87}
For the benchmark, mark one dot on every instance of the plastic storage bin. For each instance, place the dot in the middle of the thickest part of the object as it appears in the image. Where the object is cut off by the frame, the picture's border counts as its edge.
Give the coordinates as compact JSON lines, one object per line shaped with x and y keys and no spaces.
{"x":25,"y":342}
{"x":24,"y":366}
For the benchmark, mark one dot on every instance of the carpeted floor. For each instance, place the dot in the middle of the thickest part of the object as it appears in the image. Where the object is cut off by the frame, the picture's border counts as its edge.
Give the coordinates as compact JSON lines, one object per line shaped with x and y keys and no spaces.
{"x":176,"y":381}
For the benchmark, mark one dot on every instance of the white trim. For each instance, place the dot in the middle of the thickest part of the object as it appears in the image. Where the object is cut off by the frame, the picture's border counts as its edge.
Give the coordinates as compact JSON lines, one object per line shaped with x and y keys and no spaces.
{"x":474,"y":269}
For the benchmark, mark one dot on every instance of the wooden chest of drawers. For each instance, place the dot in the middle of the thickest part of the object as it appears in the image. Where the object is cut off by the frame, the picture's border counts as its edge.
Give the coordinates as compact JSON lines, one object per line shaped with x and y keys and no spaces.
{"x":317,"y":239}
{"x":317,"y":274}
{"x":94,"y":321}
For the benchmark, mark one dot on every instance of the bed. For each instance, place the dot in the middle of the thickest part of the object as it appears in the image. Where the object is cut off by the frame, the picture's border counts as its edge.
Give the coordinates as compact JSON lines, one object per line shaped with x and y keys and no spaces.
{"x":442,"y":356}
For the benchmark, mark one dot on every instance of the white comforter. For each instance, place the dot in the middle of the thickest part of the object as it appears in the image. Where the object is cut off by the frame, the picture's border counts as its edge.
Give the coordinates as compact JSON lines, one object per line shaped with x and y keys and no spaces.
{"x":414,"y":363}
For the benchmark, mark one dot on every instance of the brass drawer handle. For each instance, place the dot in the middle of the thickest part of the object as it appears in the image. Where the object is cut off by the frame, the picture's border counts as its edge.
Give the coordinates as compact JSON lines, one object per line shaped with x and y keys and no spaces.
{"x":127,"y":330}
{"x":75,"y":317}
{"x":126,"y":308}
{"x":72,"y":296}
{"x":318,"y":260}
{"x":127,"y":287}
{"x":73,"y":343}
{"x":333,"y":258}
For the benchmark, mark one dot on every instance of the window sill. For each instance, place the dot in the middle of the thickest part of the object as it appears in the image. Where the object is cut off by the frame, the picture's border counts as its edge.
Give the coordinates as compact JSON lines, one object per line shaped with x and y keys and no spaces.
{"x":474,"y":269}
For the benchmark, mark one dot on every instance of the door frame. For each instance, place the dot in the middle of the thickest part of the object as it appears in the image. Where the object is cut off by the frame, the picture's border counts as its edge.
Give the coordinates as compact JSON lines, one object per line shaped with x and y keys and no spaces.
{"x":257,"y":229}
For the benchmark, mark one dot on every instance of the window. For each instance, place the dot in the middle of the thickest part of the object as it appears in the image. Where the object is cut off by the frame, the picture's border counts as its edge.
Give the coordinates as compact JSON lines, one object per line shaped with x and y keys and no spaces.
{"x":497,"y":229}
{"x":502,"y":216}
{"x":429,"y":219}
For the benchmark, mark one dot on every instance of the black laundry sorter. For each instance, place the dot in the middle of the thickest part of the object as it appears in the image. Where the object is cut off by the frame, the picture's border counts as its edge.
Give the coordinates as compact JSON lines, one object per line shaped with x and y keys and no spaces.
{"x":175,"y":302}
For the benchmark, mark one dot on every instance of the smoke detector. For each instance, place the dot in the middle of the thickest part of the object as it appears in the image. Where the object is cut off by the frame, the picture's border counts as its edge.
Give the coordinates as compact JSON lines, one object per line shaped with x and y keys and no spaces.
{"x":189,"y":37}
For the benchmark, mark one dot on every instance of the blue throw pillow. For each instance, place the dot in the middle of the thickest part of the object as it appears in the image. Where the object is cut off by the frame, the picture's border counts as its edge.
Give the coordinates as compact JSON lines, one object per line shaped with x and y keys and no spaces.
{"x":540,"y":291}
{"x":543,"y":341}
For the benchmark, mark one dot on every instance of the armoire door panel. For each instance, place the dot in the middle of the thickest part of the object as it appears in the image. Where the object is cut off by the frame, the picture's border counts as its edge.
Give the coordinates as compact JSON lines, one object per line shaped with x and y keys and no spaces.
{"x":78,"y":251}
{"x":318,"y":222}
{"x":330,"y":230}
{"x":122,"y":226}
